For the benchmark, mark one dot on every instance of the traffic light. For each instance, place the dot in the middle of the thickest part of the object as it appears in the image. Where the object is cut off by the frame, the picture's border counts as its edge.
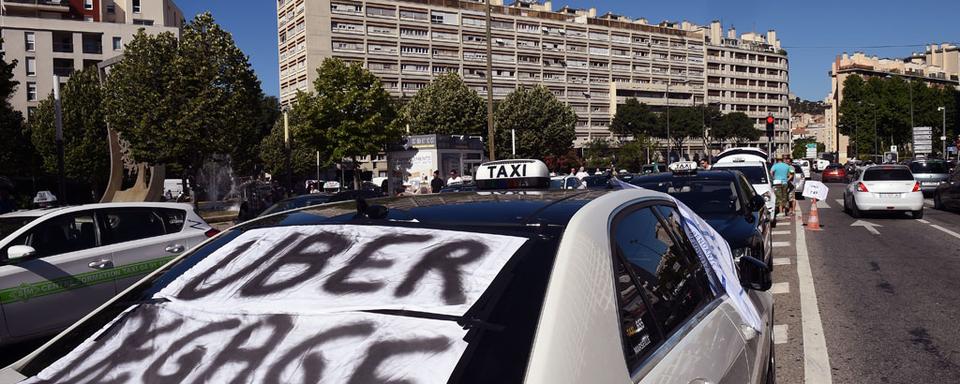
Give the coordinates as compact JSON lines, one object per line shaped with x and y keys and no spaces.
{"x":770,"y":121}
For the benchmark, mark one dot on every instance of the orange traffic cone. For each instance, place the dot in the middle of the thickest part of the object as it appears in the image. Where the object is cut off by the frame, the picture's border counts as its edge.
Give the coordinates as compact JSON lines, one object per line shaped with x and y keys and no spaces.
{"x":813,"y":219}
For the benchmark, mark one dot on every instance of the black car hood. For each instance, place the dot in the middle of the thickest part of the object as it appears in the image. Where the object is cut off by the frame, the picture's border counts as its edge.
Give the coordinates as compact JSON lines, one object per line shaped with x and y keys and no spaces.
{"x":734,"y":228}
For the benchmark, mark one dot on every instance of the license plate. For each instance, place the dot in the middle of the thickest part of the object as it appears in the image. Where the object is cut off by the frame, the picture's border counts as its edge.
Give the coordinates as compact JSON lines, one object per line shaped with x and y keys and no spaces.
{"x":889,"y":195}
{"x":930,"y":183}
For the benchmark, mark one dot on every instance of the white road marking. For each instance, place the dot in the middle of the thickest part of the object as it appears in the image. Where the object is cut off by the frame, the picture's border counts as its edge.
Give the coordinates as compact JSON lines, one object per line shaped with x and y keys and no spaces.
{"x":868,"y":225}
{"x":781,"y":261}
{"x":778,"y":288}
{"x":839,"y":202}
{"x":777,"y":244}
{"x":949,"y":232}
{"x":928,"y":202}
{"x":816,"y":360}
{"x":822,"y":204}
{"x":780,"y":334}
{"x":923,"y":221}
{"x":781,"y":232}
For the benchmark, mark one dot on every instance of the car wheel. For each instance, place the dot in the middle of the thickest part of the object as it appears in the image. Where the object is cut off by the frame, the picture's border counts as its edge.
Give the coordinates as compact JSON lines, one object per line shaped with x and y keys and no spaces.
{"x":772,"y":365}
{"x":854,"y":211}
{"x":937,"y":203}
{"x":773,"y":223}
{"x":846,"y":209}
{"x":918,"y":214}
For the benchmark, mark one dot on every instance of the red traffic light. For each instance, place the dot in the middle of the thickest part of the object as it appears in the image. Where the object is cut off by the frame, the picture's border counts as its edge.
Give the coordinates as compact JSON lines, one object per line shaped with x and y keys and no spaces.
{"x":769,"y":119}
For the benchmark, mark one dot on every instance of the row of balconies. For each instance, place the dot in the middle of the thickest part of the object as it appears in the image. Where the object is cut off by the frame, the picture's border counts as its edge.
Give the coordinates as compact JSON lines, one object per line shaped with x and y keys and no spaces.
{"x":730,"y":60}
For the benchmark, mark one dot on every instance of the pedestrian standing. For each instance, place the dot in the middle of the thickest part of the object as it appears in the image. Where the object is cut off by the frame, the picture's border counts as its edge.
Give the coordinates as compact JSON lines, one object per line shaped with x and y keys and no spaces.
{"x":583,"y":173}
{"x":437,"y":183}
{"x":454,"y":178}
{"x":780,"y":174}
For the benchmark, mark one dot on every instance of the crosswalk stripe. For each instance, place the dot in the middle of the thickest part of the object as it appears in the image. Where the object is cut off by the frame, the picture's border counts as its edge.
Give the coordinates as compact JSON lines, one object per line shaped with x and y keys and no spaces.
{"x":778,"y":288}
{"x":781,"y":261}
{"x":781,"y":232}
{"x":923,"y":221}
{"x":777,"y":244}
{"x":780,"y":334}
{"x":839,"y":202}
{"x":822,"y":204}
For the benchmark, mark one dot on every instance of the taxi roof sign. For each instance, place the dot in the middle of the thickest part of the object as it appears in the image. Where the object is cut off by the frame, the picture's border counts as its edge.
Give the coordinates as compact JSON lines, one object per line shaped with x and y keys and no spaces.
{"x":513,"y":174}
{"x":683,"y":167}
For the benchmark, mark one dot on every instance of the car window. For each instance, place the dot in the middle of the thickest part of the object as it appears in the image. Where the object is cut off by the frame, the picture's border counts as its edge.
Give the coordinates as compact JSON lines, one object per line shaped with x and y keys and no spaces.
{"x":572,"y":183}
{"x":746,"y":189}
{"x":10,"y":225}
{"x":172,"y":219}
{"x":60,"y":234}
{"x":640,"y":332}
{"x":928,"y":167}
{"x":128,"y":224}
{"x":659,"y":265}
{"x":701,"y":195}
{"x":887,"y":174}
{"x":756,"y":174}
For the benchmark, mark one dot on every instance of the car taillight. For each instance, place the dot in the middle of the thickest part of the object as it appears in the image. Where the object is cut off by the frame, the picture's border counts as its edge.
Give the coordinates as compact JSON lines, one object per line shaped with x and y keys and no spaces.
{"x":916,"y":187}
{"x":861,"y":187}
{"x":211,"y":232}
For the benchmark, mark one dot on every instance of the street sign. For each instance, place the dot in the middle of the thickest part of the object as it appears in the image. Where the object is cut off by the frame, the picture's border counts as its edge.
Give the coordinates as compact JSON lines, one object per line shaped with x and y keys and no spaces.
{"x":922,"y":139}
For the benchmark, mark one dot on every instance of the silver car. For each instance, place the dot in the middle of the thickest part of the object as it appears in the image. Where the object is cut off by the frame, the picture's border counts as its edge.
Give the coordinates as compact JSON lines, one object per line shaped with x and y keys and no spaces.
{"x":522,"y":284}
{"x":930,"y":173}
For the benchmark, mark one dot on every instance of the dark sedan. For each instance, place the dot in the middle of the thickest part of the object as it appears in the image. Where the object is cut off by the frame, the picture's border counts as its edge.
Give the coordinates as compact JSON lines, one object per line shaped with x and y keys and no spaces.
{"x":834,"y":173}
{"x":727,"y":201}
{"x":947,"y":194}
{"x":319,"y":198}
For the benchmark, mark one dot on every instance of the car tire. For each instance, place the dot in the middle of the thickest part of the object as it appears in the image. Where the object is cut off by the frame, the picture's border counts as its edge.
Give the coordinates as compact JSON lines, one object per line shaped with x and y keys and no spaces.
{"x":773,"y":223}
{"x":854,"y":211}
{"x":846,"y":209}
{"x":937,"y":203}
{"x":917,"y":214}
{"x":772,"y":365}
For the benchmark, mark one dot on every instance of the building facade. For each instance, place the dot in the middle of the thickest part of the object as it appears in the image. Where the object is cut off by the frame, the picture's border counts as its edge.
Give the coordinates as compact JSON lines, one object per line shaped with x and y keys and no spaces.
{"x":938,"y":67}
{"x":593,"y":63}
{"x":58,"y":37}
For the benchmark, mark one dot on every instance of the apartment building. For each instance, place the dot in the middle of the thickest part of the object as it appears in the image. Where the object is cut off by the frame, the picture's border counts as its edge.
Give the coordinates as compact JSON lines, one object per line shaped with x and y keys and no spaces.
{"x":58,"y":37}
{"x":591,"y":62}
{"x":939,"y":66}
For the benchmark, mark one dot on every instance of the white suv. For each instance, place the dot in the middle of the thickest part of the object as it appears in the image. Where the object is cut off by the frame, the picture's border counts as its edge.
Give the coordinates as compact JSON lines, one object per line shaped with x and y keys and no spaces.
{"x":58,"y":264}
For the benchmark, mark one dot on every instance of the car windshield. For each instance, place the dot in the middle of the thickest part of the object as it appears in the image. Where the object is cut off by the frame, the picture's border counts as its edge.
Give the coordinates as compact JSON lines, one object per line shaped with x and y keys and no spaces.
{"x":887,"y":174}
{"x":377,"y":286}
{"x":10,"y":225}
{"x":705,"y":197}
{"x":928,"y":167}
{"x":294,"y":203}
{"x":754,"y":173}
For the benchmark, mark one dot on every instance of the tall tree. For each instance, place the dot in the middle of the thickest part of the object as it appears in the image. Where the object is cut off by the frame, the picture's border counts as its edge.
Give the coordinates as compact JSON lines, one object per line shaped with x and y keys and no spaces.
{"x":633,"y":118}
{"x":86,"y":152}
{"x":16,"y":150}
{"x":545,"y":127}
{"x":446,"y":106}
{"x":181,"y":102}
{"x":349,"y":115}
{"x":737,"y":127}
{"x":685,"y":122}
{"x":273,"y":149}
{"x":245,"y":159}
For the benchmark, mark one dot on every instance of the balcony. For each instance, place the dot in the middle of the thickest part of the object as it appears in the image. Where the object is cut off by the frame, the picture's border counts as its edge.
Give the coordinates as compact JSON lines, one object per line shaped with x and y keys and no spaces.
{"x":38,"y":5}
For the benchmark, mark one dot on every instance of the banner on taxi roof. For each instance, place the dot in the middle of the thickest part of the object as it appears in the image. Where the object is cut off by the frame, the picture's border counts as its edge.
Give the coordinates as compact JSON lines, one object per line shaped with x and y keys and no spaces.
{"x":303,"y":304}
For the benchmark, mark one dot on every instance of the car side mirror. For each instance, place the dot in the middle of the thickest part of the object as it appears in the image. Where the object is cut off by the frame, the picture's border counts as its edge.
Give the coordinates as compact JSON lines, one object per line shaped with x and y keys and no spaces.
{"x":757,"y":203}
{"x":754,"y":274}
{"x":20,"y":252}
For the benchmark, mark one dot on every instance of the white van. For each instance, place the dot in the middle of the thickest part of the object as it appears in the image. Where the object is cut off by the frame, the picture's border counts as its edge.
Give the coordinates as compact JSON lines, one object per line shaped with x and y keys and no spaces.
{"x":752,"y":162}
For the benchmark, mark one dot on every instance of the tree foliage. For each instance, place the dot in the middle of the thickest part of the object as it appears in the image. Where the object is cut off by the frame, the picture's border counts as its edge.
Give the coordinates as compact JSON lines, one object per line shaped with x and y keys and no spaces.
{"x":635,"y":119}
{"x":545,"y":127}
{"x":349,"y":114}
{"x":800,"y":147}
{"x":736,"y":127}
{"x":16,"y":150}
{"x":273,"y":150}
{"x":86,"y":151}
{"x":446,"y":106}
{"x":246,"y":157}
{"x":181,"y":102}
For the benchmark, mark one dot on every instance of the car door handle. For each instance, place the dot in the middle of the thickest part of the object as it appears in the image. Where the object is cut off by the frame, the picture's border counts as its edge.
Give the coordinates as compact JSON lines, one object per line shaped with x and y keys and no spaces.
{"x":176,"y":248}
{"x":101,"y":264}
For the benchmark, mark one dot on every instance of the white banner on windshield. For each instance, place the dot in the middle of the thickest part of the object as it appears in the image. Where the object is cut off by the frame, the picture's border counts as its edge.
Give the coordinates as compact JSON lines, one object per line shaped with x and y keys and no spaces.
{"x":328,"y":268}
{"x":714,"y":251}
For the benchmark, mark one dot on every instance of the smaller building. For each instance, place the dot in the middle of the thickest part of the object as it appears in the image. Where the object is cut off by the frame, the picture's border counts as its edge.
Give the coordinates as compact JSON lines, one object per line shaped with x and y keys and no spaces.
{"x":416,"y":158}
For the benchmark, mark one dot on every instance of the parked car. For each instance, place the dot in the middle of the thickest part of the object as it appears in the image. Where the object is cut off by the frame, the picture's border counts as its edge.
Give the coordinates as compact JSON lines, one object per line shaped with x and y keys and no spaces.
{"x":752,"y":163}
{"x":820,"y":164}
{"x":889,"y":188}
{"x":930,"y":173}
{"x":947,"y":194}
{"x":495,"y":286}
{"x":834,"y":173}
{"x":320,"y":198}
{"x":57,"y":265}
{"x":804,"y":167}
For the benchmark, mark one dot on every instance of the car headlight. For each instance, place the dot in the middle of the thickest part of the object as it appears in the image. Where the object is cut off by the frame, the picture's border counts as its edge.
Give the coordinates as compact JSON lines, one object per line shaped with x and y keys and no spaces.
{"x":740,"y":252}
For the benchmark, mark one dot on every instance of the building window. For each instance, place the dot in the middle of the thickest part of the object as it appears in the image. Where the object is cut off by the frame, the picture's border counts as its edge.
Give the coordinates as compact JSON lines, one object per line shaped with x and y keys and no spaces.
{"x":117,"y":43}
{"x":111,"y":9}
{"x":88,"y":4}
{"x":30,"y":41}
{"x":136,"y":6}
{"x":31,"y":66}
{"x":31,"y":91}
{"x":142,"y":22}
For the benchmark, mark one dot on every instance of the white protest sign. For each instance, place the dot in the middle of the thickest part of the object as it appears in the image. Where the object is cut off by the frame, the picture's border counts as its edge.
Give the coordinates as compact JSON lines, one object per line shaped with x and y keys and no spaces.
{"x":815,"y":190}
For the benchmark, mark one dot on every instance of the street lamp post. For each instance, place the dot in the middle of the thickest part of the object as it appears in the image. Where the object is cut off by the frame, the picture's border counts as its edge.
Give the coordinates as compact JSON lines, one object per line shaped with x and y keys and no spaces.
{"x":286,"y":147}
{"x":943,"y":139}
{"x":490,"y":130}
{"x":669,"y":144}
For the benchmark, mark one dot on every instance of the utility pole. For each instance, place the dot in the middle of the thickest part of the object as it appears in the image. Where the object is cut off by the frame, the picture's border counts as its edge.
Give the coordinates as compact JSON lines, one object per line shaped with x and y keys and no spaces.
{"x":286,"y":146}
{"x":668,"y":122}
{"x":58,"y":113}
{"x":490,"y":130}
{"x":943,"y":139}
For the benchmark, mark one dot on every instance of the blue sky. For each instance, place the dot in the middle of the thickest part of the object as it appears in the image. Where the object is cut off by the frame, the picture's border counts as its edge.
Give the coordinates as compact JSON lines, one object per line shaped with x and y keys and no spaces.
{"x":812,"y":31}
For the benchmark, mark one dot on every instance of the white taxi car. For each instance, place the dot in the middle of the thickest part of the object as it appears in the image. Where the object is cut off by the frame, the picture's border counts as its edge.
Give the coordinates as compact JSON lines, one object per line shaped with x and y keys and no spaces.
{"x":752,"y":162}
{"x":512,"y":283}
{"x":886,"y":187}
{"x":59,"y":264}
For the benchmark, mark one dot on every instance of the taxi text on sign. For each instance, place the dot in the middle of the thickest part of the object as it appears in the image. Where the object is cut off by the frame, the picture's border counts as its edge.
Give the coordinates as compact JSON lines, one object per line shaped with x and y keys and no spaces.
{"x":815,"y":190}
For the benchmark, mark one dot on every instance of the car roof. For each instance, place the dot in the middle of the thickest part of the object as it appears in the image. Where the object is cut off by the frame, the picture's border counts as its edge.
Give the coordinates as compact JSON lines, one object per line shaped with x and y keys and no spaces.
{"x":751,"y":163}
{"x":73,"y":208}
{"x":525,"y":208}
{"x":701,"y":174}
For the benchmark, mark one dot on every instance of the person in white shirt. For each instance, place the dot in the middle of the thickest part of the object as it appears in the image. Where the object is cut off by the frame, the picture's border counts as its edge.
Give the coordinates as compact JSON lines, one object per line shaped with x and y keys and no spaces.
{"x":454,"y":178}
{"x":583,"y":173}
